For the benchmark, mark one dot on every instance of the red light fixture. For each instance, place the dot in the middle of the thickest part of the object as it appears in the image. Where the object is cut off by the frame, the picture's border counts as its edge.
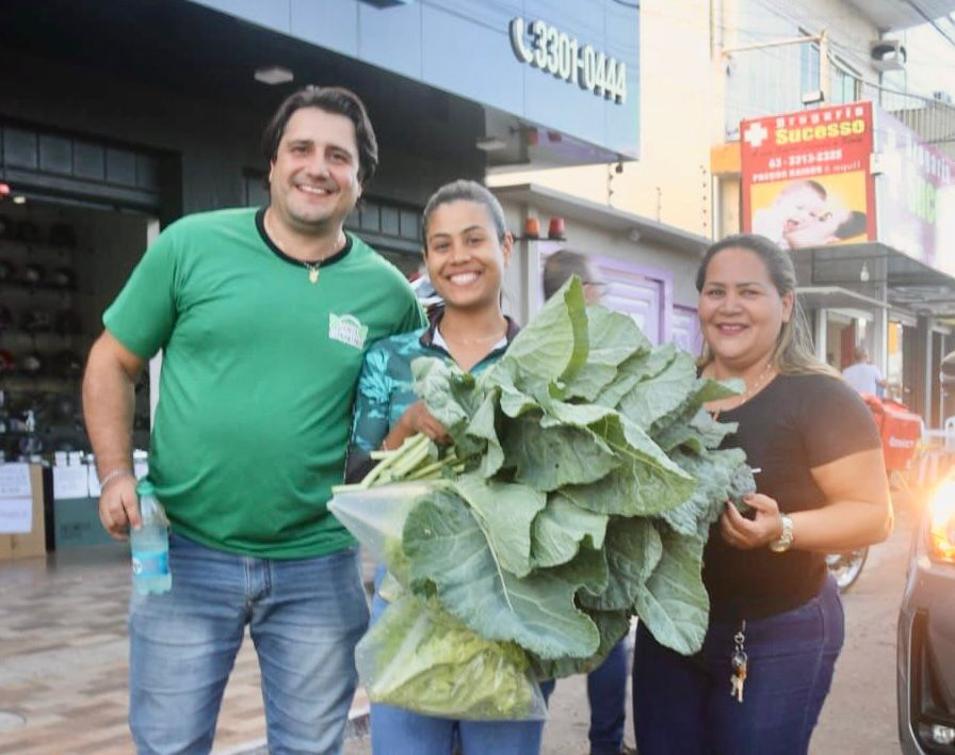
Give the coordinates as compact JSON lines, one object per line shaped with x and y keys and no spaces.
{"x":556,"y":230}
{"x":532,"y":228}
{"x":4,"y":190}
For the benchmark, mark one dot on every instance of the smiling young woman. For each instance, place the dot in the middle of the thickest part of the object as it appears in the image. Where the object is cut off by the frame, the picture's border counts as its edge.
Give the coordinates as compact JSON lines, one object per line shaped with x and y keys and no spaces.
{"x":466,"y":250}
{"x":776,"y":623}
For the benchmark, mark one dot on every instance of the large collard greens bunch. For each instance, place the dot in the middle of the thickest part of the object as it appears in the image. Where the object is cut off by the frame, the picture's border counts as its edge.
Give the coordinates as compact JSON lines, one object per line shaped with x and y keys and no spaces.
{"x":579,"y":490}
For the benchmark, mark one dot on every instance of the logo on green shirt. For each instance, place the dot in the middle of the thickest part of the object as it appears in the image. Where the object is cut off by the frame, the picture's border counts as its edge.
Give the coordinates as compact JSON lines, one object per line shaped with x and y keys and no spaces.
{"x":347,"y":329}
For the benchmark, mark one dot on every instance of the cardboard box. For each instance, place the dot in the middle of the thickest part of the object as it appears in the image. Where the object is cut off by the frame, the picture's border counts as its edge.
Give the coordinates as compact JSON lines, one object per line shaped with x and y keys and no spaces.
{"x":31,"y":543}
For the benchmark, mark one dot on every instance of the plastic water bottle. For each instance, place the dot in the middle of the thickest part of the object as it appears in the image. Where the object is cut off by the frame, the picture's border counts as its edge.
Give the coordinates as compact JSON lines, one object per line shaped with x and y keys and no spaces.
{"x":150,"y":544}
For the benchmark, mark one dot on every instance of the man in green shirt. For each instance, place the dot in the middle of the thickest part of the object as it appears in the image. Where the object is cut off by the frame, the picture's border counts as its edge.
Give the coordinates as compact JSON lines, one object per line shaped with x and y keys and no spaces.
{"x":263,"y":318}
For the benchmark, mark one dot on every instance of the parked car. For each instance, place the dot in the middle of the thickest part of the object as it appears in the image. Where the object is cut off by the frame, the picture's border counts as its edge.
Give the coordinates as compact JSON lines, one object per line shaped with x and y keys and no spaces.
{"x":926,"y":636}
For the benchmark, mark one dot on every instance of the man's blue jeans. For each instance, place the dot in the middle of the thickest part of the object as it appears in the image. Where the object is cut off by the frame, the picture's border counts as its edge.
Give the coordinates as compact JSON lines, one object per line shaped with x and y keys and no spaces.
{"x":305,"y":617}
{"x":683,"y":706}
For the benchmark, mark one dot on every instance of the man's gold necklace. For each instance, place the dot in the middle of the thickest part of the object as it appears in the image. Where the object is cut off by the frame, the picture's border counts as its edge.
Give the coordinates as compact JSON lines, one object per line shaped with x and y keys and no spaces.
{"x":311,"y":267}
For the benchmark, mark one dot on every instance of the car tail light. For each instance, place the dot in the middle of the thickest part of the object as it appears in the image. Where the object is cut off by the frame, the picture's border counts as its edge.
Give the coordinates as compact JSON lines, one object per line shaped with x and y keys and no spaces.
{"x":941,"y":522}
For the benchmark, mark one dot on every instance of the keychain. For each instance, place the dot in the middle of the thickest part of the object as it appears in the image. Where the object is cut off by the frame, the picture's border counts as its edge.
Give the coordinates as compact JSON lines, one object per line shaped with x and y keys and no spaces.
{"x":738,"y":663}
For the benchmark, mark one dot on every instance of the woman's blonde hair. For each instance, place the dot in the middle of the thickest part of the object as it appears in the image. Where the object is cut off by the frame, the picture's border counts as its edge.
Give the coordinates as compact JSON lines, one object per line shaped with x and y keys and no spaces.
{"x":794,"y":353}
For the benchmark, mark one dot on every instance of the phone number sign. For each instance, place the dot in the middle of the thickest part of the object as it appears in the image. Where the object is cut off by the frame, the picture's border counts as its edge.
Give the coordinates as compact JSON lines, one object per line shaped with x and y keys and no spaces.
{"x":555,"y":52}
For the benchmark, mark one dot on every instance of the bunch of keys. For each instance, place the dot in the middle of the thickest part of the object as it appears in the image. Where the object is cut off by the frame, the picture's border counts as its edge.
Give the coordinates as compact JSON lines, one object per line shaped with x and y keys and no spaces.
{"x":738,"y":664}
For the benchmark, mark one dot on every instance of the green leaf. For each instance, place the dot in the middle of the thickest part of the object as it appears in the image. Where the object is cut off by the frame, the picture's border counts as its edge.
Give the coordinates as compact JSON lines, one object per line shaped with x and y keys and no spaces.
{"x":633,"y":549}
{"x":448,"y":549}
{"x":561,"y":528}
{"x":646,"y":483}
{"x":482,"y":426}
{"x":554,"y":345}
{"x":713,"y":390}
{"x":588,"y":569}
{"x":419,"y":657}
{"x":613,"y":626}
{"x":514,"y":402}
{"x":547,"y":458}
{"x":673,"y":602}
{"x":649,"y":400}
{"x":693,"y":433}
{"x":643,"y":365}
{"x":614,"y":338}
{"x":715,"y":472}
{"x":447,"y":392}
{"x":505,"y":512}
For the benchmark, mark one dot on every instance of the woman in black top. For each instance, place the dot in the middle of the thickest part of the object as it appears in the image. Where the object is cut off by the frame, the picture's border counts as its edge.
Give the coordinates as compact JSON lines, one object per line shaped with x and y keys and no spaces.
{"x":776,"y":623}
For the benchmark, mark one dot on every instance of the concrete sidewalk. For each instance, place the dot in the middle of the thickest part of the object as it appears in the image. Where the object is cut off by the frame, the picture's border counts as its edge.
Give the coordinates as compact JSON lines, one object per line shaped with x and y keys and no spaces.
{"x":63,"y":668}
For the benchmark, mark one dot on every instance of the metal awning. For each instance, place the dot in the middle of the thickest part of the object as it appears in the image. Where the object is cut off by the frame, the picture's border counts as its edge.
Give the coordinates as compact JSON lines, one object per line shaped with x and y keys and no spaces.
{"x":835,"y":297}
{"x":862,"y":268}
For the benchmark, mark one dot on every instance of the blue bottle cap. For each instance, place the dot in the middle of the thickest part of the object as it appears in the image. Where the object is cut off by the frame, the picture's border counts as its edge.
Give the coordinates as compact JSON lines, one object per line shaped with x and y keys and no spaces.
{"x":145,"y":487}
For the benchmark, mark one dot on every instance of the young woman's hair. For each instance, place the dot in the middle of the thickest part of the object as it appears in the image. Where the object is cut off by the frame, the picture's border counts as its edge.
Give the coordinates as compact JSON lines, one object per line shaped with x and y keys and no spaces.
{"x":794,"y":352}
{"x":464,"y":191}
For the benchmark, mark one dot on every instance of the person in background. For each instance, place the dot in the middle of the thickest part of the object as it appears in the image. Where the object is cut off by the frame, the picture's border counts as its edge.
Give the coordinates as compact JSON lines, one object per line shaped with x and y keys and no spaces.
{"x":606,"y":684}
{"x":564,"y":263}
{"x":864,"y":376}
{"x":466,"y":249}
{"x":776,"y":622}
{"x":263,"y":317}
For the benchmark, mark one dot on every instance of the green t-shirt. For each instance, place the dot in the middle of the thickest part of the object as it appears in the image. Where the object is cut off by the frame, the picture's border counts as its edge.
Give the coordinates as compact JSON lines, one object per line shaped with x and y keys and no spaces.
{"x":258,"y":377}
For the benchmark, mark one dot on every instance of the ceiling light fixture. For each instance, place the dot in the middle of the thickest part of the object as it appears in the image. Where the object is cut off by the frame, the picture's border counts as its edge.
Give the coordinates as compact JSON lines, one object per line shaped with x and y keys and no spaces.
{"x":273,"y":75}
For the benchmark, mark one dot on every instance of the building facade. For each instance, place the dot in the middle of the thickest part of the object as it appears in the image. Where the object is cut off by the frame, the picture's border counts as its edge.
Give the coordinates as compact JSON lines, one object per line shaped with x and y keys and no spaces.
{"x":119,"y":117}
{"x":741,"y":60}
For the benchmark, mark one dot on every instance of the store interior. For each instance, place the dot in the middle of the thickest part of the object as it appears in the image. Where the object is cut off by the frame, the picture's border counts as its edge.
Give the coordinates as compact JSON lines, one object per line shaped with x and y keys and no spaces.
{"x":61,"y":263}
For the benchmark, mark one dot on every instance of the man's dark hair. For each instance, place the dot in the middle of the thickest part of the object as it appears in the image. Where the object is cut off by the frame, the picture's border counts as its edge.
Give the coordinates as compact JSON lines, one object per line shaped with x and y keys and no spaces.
{"x":560,"y":266}
{"x":335,"y":100}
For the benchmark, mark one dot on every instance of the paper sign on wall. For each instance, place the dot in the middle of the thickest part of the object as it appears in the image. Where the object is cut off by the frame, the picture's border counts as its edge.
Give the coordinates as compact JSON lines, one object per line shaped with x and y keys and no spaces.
{"x":15,"y":481}
{"x":16,"y":516}
{"x":70,"y":482}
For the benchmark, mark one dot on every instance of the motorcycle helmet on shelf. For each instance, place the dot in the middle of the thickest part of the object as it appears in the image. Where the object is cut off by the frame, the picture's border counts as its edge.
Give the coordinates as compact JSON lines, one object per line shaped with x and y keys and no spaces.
{"x":31,"y":364}
{"x":33,"y":274}
{"x":63,"y":277}
{"x":37,"y":321}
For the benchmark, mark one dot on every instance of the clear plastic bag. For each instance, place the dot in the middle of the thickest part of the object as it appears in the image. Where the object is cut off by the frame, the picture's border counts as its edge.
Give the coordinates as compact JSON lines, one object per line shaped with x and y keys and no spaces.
{"x":419,"y":657}
{"x":376,"y":517}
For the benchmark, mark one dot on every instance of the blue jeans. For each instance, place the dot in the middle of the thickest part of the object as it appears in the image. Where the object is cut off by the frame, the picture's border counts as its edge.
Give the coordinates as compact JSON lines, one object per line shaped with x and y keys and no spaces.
{"x":397,"y":731}
{"x":305,"y":617}
{"x":607,"y":694}
{"x":683,"y":705}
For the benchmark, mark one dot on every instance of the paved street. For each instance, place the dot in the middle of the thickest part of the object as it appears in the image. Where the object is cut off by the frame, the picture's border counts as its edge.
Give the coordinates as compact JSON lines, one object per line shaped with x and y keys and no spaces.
{"x":63,"y":669}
